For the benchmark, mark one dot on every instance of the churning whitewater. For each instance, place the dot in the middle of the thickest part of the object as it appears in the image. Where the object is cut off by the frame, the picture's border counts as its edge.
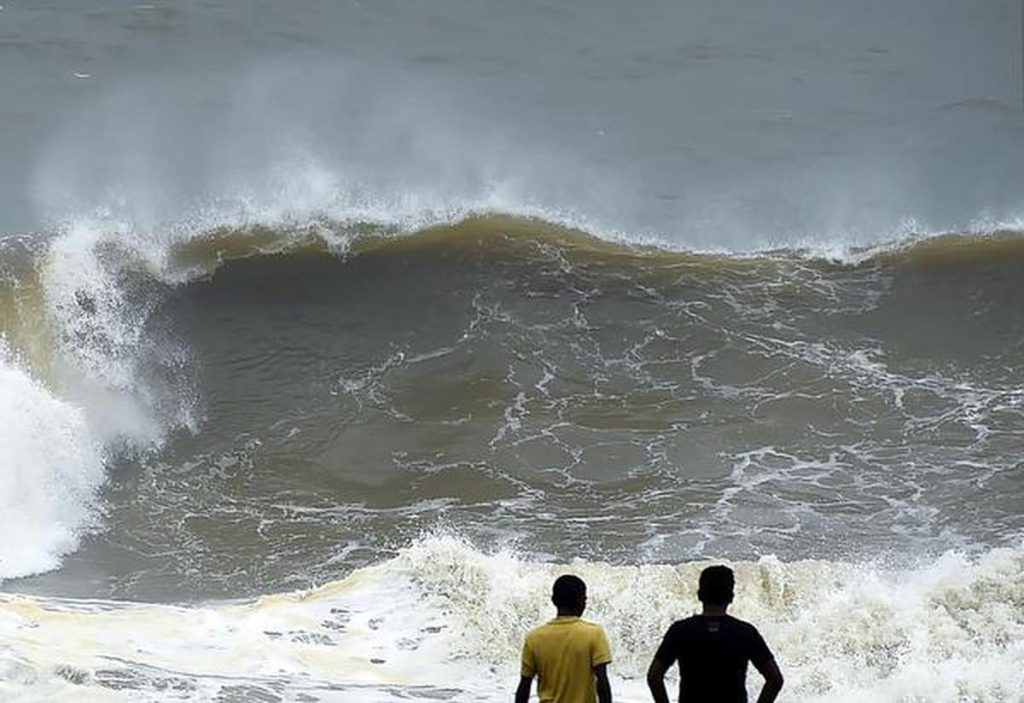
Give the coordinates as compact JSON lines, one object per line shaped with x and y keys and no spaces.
{"x":441,"y":621}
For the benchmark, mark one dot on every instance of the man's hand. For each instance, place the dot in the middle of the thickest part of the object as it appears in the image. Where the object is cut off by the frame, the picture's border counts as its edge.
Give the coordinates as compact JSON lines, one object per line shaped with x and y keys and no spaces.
{"x":523,"y":691}
{"x":656,"y":681}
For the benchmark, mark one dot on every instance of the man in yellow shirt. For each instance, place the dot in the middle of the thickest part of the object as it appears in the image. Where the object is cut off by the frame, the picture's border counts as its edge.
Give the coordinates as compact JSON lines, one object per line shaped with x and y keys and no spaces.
{"x":569,"y":656}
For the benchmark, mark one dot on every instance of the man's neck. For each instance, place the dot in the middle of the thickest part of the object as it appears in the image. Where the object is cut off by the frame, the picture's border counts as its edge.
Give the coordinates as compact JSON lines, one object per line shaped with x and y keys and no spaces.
{"x":564,"y":613}
{"x":714,"y":610}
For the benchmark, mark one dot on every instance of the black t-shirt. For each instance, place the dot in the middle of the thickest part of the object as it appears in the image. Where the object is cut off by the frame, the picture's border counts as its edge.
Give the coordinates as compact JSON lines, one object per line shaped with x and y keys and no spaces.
{"x":712,"y":651}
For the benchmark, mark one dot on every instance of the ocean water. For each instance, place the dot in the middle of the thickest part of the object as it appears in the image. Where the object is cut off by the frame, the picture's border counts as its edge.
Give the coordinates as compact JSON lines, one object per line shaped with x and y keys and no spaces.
{"x":330,"y":333}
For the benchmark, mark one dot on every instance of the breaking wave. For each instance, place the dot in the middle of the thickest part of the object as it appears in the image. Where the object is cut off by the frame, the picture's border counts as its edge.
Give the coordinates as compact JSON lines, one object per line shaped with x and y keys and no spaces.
{"x":91,"y":376}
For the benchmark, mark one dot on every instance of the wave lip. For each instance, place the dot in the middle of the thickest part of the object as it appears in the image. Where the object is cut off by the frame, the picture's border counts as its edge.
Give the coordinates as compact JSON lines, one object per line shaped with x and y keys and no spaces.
{"x":202,"y":252}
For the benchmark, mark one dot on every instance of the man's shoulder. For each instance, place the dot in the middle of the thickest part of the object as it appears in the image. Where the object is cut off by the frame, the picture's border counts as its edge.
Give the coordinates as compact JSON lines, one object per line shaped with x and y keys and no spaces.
{"x":698,"y":622}
{"x":580,"y":631}
{"x":590,"y":626}
{"x":538,"y":631}
{"x":584,"y":629}
{"x":686,"y":623}
{"x":555,"y":626}
{"x":741,"y":625}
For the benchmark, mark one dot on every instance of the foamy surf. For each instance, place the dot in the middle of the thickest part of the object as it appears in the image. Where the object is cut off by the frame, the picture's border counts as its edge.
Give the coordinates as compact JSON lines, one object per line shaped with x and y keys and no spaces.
{"x":445,"y":621}
{"x":52,"y":469}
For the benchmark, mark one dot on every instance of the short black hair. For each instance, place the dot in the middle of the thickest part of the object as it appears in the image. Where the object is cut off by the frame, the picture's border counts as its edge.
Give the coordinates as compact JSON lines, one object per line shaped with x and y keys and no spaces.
{"x":568,"y":591}
{"x":716,"y":585}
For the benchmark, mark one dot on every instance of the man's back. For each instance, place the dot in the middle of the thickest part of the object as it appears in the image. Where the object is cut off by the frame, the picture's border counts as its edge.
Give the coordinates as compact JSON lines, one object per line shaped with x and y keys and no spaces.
{"x":563,"y":653}
{"x":713,"y":651}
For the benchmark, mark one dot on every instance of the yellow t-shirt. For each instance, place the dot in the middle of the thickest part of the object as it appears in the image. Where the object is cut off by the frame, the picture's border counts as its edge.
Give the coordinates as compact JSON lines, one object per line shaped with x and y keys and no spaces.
{"x":562,"y":654}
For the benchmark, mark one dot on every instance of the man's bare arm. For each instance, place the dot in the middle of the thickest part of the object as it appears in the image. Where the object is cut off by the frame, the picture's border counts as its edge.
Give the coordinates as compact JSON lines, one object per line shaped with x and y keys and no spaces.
{"x":656,"y":681}
{"x":604,"y":689}
{"x":523,"y":690}
{"x":772,"y":680}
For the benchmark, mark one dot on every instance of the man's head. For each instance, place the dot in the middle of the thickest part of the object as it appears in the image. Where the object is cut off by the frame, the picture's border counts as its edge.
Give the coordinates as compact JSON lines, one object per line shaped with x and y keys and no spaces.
{"x":569,"y":594}
{"x":716,"y":586}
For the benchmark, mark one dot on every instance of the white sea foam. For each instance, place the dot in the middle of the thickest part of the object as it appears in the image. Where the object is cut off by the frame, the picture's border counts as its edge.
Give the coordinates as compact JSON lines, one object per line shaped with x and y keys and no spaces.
{"x":444,"y":615}
{"x":50,"y":469}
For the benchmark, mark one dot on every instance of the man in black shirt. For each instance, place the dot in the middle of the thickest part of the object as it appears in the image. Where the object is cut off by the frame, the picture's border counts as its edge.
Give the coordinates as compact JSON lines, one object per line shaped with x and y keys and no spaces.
{"x":713,"y":650}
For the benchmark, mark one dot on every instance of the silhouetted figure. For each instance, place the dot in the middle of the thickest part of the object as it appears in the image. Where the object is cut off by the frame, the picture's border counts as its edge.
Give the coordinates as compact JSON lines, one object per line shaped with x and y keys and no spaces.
{"x":569,"y":656}
{"x":713,"y":649}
